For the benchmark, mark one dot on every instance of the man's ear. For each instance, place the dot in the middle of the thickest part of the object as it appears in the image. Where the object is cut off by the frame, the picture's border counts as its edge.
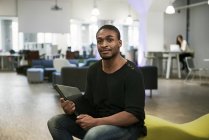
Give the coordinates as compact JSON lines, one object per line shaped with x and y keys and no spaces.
{"x":120,"y":43}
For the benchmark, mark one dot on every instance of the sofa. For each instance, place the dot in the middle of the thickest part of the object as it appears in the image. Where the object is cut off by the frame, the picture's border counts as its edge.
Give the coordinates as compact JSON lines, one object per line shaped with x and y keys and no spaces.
{"x":85,"y":63}
{"x":88,"y":62}
{"x":76,"y":76}
{"x":150,"y":75}
{"x":161,"y":129}
{"x":46,"y":65}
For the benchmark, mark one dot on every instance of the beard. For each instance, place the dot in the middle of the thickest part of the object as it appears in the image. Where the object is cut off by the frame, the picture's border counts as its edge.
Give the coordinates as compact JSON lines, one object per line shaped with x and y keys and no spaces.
{"x":107,"y":57}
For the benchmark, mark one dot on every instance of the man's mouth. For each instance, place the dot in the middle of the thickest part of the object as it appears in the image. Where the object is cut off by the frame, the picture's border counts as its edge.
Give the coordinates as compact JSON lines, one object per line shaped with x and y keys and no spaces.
{"x":105,"y":51}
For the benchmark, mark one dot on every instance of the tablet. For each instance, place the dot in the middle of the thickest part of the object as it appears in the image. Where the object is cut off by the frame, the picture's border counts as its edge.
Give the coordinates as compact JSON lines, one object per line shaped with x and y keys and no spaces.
{"x":72,"y":93}
{"x":67,"y":91}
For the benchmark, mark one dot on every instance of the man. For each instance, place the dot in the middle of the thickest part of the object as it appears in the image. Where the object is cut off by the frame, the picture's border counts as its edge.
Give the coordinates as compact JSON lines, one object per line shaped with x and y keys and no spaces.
{"x":115,"y":94}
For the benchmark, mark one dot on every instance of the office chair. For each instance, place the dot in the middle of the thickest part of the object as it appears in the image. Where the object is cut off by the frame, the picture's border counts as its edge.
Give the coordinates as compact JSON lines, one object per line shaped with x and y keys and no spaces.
{"x":58,"y":63}
{"x":193,"y":70}
{"x":149,"y":58}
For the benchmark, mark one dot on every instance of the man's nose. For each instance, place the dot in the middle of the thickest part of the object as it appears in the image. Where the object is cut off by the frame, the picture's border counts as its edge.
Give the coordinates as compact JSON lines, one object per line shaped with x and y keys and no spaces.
{"x":104,"y":44}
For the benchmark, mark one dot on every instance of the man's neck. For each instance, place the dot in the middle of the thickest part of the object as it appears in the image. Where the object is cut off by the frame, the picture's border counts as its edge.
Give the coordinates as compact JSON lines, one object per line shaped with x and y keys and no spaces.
{"x":112,"y":65}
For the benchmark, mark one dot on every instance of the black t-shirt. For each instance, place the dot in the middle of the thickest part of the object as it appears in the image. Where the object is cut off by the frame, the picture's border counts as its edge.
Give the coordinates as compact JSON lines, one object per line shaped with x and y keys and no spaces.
{"x":107,"y":94}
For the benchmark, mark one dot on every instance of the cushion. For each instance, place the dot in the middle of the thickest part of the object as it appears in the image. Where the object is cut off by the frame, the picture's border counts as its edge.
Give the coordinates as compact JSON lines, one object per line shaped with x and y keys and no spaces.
{"x":161,"y":129}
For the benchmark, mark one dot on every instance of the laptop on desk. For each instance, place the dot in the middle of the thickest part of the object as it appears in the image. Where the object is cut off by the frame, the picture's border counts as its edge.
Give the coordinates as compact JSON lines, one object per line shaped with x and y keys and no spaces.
{"x":175,"y":48}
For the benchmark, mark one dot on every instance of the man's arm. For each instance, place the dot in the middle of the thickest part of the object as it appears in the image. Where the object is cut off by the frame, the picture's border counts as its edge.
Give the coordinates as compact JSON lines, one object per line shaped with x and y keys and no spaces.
{"x":119,"y":119}
{"x":123,"y":118}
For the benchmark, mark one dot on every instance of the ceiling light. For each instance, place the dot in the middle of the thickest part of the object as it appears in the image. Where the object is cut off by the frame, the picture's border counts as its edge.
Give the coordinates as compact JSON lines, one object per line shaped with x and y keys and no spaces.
{"x":94,"y":19}
{"x":208,"y":2}
{"x":95,"y":10}
{"x":56,"y":7}
{"x":170,"y":10}
{"x":129,"y":20}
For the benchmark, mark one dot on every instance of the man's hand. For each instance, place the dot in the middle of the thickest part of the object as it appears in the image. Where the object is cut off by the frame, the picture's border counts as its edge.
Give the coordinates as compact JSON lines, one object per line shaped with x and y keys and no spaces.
{"x":85,"y":121}
{"x":68,"y":106}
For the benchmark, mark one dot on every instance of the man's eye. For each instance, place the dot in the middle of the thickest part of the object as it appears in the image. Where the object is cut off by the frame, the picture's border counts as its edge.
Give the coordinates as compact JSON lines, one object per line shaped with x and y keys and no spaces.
{"x":109,"y":39}
{"x":99,"y":41}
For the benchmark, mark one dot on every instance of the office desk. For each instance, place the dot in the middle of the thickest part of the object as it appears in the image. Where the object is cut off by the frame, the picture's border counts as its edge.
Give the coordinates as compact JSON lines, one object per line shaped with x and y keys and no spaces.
{"x":169,"y":54}
{"x":207,"y":70}
{"x":3,"y":55}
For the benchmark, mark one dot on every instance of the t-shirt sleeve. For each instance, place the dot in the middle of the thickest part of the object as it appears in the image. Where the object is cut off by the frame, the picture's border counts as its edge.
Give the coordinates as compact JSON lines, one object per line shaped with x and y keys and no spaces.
{"x":135,"y":95}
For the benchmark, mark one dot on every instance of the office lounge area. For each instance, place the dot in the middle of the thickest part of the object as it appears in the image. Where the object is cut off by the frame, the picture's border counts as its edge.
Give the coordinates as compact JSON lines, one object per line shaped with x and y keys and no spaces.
{"x":26,"y":107}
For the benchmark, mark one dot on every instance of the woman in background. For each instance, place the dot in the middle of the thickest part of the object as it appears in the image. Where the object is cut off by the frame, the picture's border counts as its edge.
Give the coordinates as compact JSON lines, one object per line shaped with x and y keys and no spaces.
{"x":185,"y":51}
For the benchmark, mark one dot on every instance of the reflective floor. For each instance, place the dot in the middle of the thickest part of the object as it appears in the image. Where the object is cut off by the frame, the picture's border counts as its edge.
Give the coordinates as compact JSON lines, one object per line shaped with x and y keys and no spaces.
{"x":25,"y":108}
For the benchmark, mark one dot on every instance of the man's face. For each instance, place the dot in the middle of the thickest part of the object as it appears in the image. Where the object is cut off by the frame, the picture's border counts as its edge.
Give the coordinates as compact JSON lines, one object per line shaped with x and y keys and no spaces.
{"x":108,"y":44}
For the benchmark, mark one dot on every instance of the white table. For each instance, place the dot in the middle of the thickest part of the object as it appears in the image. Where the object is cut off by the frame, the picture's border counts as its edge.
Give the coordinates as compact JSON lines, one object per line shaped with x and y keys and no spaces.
{"x":206,"y":59}
{"x":5,"y":54}
{"x":169,"y":62}
{"x":170,"y":55}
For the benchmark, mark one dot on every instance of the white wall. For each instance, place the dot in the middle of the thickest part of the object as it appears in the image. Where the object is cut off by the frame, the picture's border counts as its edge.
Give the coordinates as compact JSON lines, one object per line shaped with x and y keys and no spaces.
{"x":173,"y":25}
{"x":199,"y":34}
{"x":8,"y":8}
{"x":37,"y":16}
{"x":155,"y":31}
{"x":1,"y":47}
{"x":151,"y":20}
{"x":198,"y":31}
{"x":109,"y":9}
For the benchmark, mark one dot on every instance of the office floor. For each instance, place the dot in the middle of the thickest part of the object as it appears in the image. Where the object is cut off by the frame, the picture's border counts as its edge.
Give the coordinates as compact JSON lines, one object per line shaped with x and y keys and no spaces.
{"x":25,"y":108}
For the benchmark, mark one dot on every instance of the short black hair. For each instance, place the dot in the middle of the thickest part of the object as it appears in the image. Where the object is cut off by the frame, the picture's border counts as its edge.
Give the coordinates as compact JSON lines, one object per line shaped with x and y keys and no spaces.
{"x":110,"y":27}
